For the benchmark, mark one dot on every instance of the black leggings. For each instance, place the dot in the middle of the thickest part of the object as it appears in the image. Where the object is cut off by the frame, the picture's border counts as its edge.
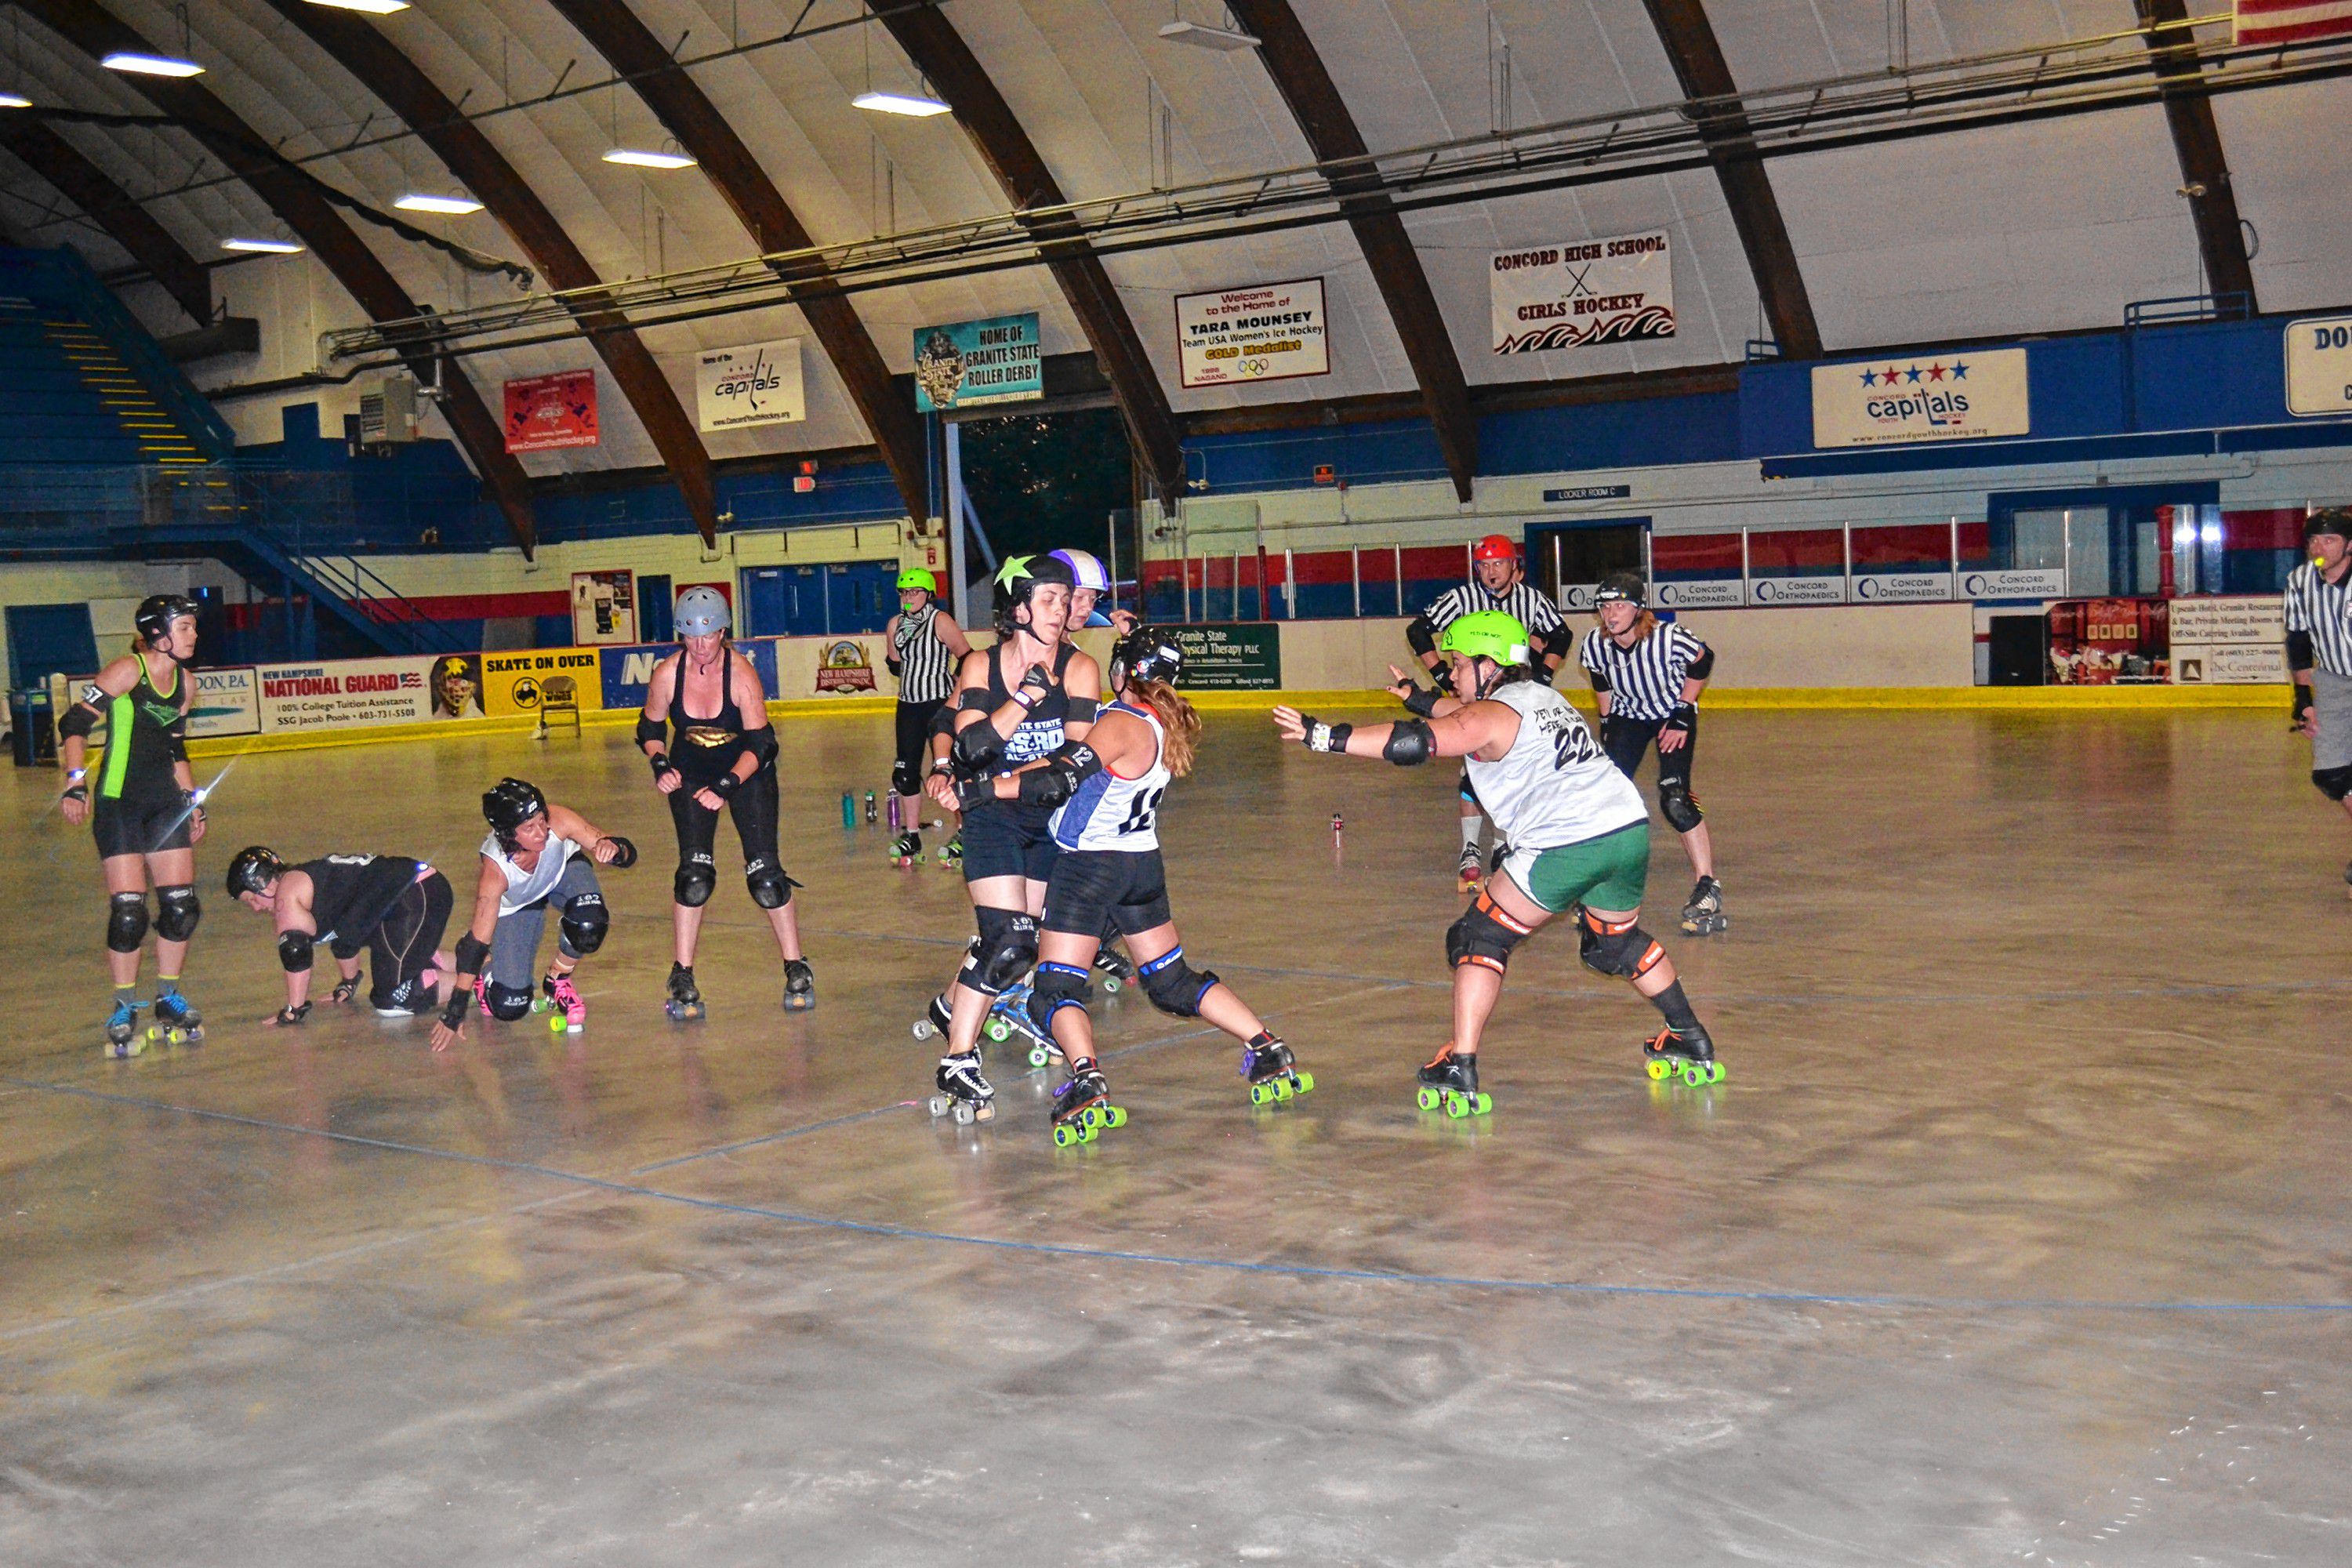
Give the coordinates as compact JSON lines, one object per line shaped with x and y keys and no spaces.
{"x":754,"y":806}
{"x":401,"y":947}
{"x":1626,"y":738}
{"x":914,"y":737}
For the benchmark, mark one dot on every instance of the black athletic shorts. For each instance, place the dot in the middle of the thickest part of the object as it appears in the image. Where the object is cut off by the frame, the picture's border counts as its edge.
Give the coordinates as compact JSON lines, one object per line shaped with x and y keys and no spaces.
{"x":1093,"y":891}
{"x":1625,"y":740}
{"x":138,"y":827}
{"x":1006,"y":838}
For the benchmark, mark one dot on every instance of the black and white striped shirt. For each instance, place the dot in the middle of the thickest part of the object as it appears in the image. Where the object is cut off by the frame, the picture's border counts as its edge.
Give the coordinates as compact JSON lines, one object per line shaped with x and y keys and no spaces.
{"x":1523,"y":603}
{"x":1644,"y":681}
{"x":2323,"y":609}
{"x":927,"y":670}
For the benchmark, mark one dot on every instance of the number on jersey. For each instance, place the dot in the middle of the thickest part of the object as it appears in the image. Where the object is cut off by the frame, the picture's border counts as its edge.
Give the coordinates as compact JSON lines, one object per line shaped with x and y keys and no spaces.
{"x":1140,"y":813}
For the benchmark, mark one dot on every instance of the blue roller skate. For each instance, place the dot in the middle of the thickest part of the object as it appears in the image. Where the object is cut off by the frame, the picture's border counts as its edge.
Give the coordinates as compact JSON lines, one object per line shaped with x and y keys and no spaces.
{"x":177,"y":1023}
{"x":123,"y":1039}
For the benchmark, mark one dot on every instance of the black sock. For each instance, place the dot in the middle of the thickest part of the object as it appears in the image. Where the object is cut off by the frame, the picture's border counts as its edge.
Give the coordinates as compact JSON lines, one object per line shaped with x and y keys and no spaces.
{"x":1676,"y":1008}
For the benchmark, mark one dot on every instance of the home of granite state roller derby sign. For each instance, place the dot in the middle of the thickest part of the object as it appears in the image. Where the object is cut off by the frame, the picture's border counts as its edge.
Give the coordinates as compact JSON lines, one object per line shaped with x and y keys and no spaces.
{"x":1579,"y":293}
{"x":964,"y":363}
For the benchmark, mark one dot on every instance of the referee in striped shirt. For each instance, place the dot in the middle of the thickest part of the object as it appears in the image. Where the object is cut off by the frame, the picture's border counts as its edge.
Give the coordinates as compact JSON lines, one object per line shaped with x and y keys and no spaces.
{"x":1497,"y":582}
{"x":922,"y":644}
{"x":1647,"y":678}
{"x":2320,"y":650}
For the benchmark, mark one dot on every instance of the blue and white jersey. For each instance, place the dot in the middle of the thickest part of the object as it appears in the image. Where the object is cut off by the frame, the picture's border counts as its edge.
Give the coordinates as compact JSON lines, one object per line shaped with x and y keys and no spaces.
{"x":1120,"y":815}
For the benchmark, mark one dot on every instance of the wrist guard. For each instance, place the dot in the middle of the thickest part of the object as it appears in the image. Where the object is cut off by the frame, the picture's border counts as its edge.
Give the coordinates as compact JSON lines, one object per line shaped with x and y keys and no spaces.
{"x":661,"y":763}
{"x":78,"y":792}
{"x":1036,"y":679}
{"x":1683,"y":719}
{"x":724,"y":785}
{"x":1322,"y":737}
{"x":1421,"y":701}
{"x":2302,"y":707}
{"x":293,"y":1015}
{"x":453,"y":1016}
{"x":624,"y":854}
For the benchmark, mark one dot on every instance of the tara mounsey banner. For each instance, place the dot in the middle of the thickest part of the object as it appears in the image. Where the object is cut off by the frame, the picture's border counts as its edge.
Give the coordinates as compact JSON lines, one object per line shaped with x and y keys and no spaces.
{"x":1577,"y":293}
{"x":962,"y":363}
{"x":759,"y":384}
{"x":1909,"y":398}
{"x":546,"y":412}
{"x":1269,"y":333}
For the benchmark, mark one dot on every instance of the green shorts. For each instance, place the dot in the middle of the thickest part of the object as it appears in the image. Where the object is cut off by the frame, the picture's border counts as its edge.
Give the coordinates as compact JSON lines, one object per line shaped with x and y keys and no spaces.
{"x":1604,"y":873}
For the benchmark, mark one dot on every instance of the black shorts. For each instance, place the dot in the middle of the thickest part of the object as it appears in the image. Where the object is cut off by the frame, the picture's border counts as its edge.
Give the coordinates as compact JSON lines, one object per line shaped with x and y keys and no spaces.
{"x":1006,"y":838}
{"x":138,"y":826}
{"x":1093,"y":891}
{"x":1625,"y":741}
{"x":914,"y":761}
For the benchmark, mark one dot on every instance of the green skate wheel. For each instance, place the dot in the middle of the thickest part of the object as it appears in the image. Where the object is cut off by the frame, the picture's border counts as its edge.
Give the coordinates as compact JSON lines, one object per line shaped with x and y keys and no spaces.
{"x":1064,"y":1135}
{"x":1302,"y":1082}
{"x":1429,"y":1098}
{"x":1114,"y":1116}
{"x":555,"y":1023}
{"x":1456,"y":1106}
{"x":1111,"y":983}
{"x":155,"y":1032}
{"x":1660,"y":1069}
{"x":1261,"y":1094}
{"x":997,"y":1030}
{"x":1039,"y":1056}
{"x":1482,"y":1105}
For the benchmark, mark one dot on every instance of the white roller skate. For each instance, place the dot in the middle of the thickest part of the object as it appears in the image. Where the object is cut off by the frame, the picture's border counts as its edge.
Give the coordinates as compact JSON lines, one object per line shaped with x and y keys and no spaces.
{"x":1703,"y":914}
{"x":964,"y":1093}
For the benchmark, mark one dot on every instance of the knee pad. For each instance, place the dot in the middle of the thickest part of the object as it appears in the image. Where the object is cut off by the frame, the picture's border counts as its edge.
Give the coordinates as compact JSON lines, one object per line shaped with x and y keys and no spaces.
{"x":771,"y":889}
{"x":1059,"y":985}
{"x":1485,"y":936}
{"x":903,"y":779}
{"x":177,"y":910}
{"x":2333,"y":782}
{"x":694,"y":880}
{"x":1008,"y":946}
{"x":506,"y":1003}
{"x":1619,"y":948}
{"x":1680,"y":806}
{"x":126,"y":923}
{"x":586,"y":923}
{"x":1174,"y":987}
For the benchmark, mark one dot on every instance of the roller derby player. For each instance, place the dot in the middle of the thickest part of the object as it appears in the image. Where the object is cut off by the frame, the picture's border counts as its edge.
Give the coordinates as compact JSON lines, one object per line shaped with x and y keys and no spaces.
{"x":1018,"y":701}
{"x":537,"y":855}
{"x":1093,"y":583}
{"x":1497,"y":582}
{"x":147,"y":815}
{"x":922,"y":647}
{"x":390,"y":906}
{"x":1647,"y":678}
{"x":2319,"y":651}
{"x":1579,"y":837}
{"x":706,"y":732}
{"x":1105,"y":792}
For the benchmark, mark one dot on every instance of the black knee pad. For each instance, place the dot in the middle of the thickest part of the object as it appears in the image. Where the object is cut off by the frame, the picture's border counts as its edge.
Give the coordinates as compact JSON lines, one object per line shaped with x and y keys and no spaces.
{"x":507,"y":1002}
{"x":1007,"y":947}
{"x":2333,"y":782}
{"x":1619,"y":948}
{"x":904,"y":780}
{"x":1059,"y":985}
{"x":126,"y":923}
{"x":1680,"y":806}
{"x":177,"y":910}
{"x":1174,"y":987}
{"x":771,"y":889}
{"x":1485,"y":936}
{"x":585,"y":921}
{"x":694,"y":880}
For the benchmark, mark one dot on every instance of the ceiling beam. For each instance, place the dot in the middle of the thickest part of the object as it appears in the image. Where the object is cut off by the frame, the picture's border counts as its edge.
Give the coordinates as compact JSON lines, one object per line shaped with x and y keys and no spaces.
{"x":319,"y":226}
{"x":1300,"y":74}
{"x":939,"y":51}
{"x":2197,"y":140}
{"x":110,"y":207}
{"x":687,"y":113}
{"x":481,"y":168}
{"x":1699,"y":67}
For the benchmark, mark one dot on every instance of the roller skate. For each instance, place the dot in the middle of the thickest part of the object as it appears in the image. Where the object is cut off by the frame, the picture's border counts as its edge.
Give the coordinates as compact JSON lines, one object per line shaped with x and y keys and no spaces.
{"x":1703,"y":915}
{"x":1450,"y":1083}
{"x":800,"y":985}
{"x":1082,"y":1106}
{"x":907,"y":849}
{"x":565,"y":1012}
{"x":1113,"y":966}
{"x":1690,"y":1056}
{"x":414,"y":998}
{"x":685,"y":1003}
{"x":1272,"y":1071}
{"x":1008,"y":1014}
{"x":124,"y":1039}
{"x":176,"y":1023}
{"x":952,"y":852}
{"x":1469,"y":874}
{"x":963,"y":1093}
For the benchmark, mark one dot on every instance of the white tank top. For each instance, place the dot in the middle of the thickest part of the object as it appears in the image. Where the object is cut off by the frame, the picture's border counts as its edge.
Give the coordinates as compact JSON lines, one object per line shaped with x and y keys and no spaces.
{"x":525,"y":889}
{"x":1555,"y":787}
{"x":1111,"y":813}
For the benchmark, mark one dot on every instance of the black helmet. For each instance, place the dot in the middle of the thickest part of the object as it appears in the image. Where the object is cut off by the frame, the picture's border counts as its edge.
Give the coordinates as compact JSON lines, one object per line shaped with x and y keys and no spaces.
{"x":509,"y":805}
{"x":1023,"y":575}
{"x":253,"y":870}
{"x":157,"y":611}
{"x":1627,"y":586}
{"x":2335,"y":520}
{"x":1147,"y":654}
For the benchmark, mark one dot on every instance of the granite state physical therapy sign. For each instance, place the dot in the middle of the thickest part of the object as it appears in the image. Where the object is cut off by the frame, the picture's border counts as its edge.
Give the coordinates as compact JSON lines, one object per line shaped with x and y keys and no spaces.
{"x":1907,"y":399}
{"x":1244,"y":656}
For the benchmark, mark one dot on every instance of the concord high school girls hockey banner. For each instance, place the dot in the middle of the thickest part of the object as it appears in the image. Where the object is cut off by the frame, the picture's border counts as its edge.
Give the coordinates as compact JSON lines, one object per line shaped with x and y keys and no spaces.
{"x":1581,"y":292}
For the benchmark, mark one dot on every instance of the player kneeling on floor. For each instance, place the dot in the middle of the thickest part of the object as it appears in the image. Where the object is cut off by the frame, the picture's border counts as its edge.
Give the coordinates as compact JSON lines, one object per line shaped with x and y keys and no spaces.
{"x":390,"y":906}
{"x":1580,"y":838}
{"x":537,"y":855}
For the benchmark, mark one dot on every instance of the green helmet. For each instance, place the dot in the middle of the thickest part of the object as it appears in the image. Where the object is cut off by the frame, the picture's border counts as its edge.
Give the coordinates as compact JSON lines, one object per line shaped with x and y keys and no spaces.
{"x":918,"y":577}
{"x":1486,"y":633}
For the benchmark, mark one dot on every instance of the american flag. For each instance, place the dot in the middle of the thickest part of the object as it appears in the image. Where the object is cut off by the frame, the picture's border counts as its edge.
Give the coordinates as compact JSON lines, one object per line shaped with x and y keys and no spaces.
{"x":2292,"y":21}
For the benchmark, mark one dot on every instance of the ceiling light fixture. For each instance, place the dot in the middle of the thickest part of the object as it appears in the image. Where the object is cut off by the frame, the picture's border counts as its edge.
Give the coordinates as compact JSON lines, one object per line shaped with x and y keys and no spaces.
{"x":638,"y":158}
{"x":263,"y":246}
{"x":373,"y":7}
{"x":449,"y":207}
{"x":14,"y":100}
{"x":1200,"y":36}
{"x":149,"y":65}
{"x":912,"y":105}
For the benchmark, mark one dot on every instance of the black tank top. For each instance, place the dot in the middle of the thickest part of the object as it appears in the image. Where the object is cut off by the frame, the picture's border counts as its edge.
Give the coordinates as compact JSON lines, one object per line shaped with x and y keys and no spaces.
{"x":350,"y":893}
{"x":703,"y":749}
{"x":145,"y":730}
{"x":1039,"y":733}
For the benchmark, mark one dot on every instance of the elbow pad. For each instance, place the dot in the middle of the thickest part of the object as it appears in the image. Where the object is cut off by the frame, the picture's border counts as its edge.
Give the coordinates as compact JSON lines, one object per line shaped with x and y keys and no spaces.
{"x":1702,"y":666}
{"x":1600,"y":681}
{"x":1082,"y":710}
{"x":294,"y":952}
{"x":1559,"y":640}
{"x":1410,"y":742}
{"x":80,"y":720}
{"x":1060,"y":777}
{"x":891,"y":661}
{"x":1419,"y":636}
{"x":472,"y":953}
{"x":651,"y":729}
{"x":2298,"y":653}
{"x":763,"y":744}
{"x":977,"y":747}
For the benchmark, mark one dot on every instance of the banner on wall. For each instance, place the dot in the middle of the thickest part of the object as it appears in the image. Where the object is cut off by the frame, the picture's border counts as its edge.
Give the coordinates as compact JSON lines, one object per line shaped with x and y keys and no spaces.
{"x":845,"y":666}
{"x":2107,"y":642}
{"x":523,"y":682}
{"x":1580,"y":293}
{"x":2229,"y":642}
{"x":1244,"y":656}
{"x":1772,"y":592}
{"x":2039,"y":582}
{"x":2261,"y":22}
{"x":965,"y":364}
{"x":545,"y":413}
{"x":1706,"y":593}
{"x":623,"y":671}
{"x":605,"y":606}
{"x":1895,"y":401}
{"x":345,"y":692}
{"x":1273,"y":332}
{"x":228,"y":702}
{"x":1901,"y":587}
{"x":740,"y":389}
{"x":2319,"y":365}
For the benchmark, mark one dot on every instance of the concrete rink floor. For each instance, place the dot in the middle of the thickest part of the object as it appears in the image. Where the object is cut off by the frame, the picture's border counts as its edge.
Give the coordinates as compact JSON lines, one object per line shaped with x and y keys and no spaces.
{"x":2018,"y":1233}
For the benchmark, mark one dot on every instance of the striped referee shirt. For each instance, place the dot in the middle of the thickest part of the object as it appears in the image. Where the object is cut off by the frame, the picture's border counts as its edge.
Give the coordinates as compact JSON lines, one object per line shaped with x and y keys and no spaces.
{"x":927,"y":670}
{"x":2323,"y":609}
{"x":1524,"y":603}
{"x":1644,"y":682}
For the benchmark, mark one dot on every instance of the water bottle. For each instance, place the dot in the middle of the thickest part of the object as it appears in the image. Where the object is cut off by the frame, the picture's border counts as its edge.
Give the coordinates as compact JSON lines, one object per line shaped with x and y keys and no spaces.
{"x":869,"y":809}
{"x":1336,"y":826}
{"x":848,"y":810}
{"x":891,"y":811}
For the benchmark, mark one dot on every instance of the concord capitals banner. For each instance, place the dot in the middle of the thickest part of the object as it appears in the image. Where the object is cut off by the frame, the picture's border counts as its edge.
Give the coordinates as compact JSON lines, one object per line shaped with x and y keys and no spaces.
{"x":1893,"y":402}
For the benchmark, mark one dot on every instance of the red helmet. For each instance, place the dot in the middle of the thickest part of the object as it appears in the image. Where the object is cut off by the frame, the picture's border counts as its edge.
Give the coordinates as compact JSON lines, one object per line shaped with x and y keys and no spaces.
{"x":1497,"y":547}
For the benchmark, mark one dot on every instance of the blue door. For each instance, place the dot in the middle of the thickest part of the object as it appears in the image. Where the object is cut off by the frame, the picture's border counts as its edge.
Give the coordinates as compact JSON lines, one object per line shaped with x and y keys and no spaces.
{"x":861,"y":596}
{"x":49,"y":639}
{"x":783,"y":600}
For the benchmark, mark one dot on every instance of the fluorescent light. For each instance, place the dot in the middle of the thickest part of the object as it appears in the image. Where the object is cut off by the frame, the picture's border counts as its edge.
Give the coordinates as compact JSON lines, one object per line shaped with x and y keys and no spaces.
{"x":151,"y":65}
{"x":373,"y":7}
{"x":14,"y":100}
{"x":264,"y":246}
{"x":912,"y":105}
{"x":636,"y":157}
{"x":1224,"y":40}
{"x":452,"y":206}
